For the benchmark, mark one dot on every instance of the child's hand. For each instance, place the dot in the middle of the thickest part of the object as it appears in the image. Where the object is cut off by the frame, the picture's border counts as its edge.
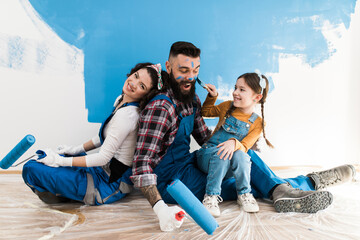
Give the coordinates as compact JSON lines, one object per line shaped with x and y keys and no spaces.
{"x":227,"y":149}
{"x":212,"y":90}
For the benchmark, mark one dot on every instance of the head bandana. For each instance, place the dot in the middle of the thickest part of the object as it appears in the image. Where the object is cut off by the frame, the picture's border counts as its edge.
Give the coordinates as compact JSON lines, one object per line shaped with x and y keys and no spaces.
{"x":157,"y":68}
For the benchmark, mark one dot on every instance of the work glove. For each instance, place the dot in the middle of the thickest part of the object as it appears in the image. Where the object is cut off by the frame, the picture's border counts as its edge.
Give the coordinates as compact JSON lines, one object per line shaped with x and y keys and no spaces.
{"x":53,"y":159}
{"x":169,"y":217}
{"x":70,"y":150}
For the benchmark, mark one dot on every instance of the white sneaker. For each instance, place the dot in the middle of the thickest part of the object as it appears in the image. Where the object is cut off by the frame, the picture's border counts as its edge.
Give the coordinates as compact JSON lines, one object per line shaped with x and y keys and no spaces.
{"x":211,"y":204}
{"x":248,"y":202}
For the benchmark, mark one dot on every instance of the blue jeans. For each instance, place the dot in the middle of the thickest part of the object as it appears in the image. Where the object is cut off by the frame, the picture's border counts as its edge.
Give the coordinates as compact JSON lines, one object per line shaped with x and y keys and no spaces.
{"x":179,"y":163}
{"x":239,"y":167}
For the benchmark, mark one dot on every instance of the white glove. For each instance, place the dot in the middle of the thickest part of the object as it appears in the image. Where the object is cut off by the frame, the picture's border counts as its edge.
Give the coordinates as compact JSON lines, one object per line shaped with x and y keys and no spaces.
{"x":53,"y":159}
{"x":70,"y":150}
{"x":169,"y":217}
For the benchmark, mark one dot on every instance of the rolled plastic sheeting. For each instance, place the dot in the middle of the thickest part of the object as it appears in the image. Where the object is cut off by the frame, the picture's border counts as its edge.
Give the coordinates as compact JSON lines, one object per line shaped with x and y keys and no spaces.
{"x":186,"y":199}
{"x":17,"y":151}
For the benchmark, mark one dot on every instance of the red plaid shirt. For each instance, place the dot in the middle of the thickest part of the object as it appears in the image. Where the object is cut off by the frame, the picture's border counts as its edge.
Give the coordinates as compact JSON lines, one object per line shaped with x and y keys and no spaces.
{"x":158,"y":126}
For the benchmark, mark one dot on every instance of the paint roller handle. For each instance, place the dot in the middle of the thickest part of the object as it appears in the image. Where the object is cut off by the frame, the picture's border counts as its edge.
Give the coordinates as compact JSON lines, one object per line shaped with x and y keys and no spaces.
{"x":27,"y":159}
{"x":170,"y":218}
{"x":38,"y":155}
{"x":180,"y":215}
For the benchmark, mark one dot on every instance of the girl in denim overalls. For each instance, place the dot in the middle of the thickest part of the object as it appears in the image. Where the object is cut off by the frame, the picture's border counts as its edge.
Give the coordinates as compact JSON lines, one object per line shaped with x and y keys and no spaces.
{"x":225,"y":153}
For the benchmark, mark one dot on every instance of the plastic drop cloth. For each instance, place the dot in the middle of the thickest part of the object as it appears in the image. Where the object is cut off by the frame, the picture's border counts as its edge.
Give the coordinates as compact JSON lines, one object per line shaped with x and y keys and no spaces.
{"x":24,"y":216}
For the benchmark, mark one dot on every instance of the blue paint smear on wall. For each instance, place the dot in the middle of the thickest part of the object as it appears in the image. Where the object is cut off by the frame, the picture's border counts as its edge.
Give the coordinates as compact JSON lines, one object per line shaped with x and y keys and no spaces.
{"x":234,"y":36}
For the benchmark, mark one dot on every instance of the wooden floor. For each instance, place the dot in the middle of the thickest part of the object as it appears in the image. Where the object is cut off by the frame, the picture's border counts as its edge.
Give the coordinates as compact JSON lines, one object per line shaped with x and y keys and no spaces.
{"x":24,"y":216}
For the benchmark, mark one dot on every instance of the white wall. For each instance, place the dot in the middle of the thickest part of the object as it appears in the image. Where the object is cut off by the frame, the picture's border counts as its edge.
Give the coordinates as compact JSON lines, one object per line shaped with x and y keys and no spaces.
{"x":313,"y":116}
{"x":41,"y":88}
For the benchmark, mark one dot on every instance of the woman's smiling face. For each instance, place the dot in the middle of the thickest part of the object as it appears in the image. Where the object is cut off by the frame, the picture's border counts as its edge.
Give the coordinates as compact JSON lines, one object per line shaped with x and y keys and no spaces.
{"x":137,"y":85}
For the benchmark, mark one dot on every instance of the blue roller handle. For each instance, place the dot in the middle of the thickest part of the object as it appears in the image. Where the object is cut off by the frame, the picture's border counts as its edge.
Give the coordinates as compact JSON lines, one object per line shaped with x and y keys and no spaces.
{"x":186,"y":199}
{"x":17,"y":151}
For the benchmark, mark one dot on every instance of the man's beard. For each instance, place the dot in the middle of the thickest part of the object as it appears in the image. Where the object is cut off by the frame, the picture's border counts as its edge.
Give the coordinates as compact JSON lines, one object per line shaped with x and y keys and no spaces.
{"x":179,"y":95}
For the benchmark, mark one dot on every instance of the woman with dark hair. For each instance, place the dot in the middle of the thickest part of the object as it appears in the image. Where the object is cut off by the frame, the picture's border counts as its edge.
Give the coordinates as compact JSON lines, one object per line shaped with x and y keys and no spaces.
{"x":103,"y":177}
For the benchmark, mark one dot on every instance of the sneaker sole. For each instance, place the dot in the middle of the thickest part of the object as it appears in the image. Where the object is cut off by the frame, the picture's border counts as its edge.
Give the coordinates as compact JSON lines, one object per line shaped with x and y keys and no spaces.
{"x":312,"y":203}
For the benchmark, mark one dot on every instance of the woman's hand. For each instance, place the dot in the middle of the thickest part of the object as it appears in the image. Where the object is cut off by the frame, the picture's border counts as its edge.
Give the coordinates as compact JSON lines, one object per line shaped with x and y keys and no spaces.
{"x":52,"y":159}
{"x":227,"y":149}
{"x":212,"y":90}
{"x":70,"y":150}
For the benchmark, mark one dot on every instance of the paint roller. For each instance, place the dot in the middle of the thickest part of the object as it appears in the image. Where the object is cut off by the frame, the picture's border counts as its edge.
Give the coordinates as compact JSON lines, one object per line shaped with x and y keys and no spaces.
{"x":17,"y":152}
{"x":192,"y":206}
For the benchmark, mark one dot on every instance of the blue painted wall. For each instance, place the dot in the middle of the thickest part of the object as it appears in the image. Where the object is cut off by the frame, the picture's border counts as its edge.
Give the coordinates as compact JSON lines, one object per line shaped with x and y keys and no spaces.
{"x":235,"y":36}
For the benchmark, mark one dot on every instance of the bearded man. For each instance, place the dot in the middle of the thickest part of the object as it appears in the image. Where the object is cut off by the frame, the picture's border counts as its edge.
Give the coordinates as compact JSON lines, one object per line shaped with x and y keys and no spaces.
{"x":163,"y":151}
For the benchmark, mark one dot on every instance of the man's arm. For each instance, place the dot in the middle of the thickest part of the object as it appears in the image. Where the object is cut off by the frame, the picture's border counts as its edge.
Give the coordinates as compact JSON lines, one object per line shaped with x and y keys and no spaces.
{"x":152,"y":194}
{"x":156,"y":132}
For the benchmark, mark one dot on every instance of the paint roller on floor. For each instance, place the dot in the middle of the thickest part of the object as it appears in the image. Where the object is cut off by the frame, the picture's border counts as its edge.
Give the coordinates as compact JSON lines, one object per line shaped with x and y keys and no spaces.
{"x":17,"y":152}
{"x":192,"y":206}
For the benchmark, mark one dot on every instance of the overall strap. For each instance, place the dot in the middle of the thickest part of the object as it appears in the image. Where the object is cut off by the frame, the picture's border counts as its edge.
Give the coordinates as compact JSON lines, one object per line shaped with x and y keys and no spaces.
{"x":101,"y":132}
{"x":164,"y":97}
{"x":136,"y":104}
{"x":253,"y":117}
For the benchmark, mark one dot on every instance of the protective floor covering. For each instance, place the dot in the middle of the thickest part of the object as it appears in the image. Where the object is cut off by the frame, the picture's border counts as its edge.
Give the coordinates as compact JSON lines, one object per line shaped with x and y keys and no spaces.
{"x":24,"y":216}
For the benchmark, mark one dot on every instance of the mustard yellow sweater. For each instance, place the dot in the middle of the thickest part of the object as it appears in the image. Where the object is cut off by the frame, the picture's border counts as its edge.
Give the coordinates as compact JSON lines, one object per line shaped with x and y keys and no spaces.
{"x":210,"y":110}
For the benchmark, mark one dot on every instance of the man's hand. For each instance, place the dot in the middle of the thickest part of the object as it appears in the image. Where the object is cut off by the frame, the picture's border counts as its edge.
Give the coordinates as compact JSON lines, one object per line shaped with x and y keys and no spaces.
{"x":53,"y":159}
{"x":226,"y":149}
{"x":169,"y":217}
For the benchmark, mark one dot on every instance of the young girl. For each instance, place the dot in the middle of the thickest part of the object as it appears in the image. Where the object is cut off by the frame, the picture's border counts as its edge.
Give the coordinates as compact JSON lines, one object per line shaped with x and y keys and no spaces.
{"x":224,"y":155}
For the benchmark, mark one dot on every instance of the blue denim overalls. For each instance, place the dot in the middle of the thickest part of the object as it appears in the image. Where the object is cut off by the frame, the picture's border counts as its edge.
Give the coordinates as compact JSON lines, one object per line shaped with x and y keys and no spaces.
{"x":238,"y":166}
{"x":85,"y":184}
{"x":179,"y":163}
{"x":89,"y":185}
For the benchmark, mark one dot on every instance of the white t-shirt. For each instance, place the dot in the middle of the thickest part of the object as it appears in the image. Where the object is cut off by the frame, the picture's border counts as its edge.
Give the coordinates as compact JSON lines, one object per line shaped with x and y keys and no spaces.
{"x":120,"y":138}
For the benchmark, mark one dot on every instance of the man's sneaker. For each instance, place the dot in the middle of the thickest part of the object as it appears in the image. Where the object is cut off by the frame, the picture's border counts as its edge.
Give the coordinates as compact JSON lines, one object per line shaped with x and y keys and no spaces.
{"x":333,"y":176}
{"x":248,"y":202}
{"x":211,"y":204}
{"x":289,"y":199}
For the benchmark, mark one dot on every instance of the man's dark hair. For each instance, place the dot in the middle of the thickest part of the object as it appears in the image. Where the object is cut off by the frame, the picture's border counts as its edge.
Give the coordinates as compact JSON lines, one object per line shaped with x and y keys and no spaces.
{"x":186,"y":48}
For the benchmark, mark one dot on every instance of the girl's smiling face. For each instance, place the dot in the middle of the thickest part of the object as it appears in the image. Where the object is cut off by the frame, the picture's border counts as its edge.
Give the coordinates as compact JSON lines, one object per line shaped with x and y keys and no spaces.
{"x":244,"y":97}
